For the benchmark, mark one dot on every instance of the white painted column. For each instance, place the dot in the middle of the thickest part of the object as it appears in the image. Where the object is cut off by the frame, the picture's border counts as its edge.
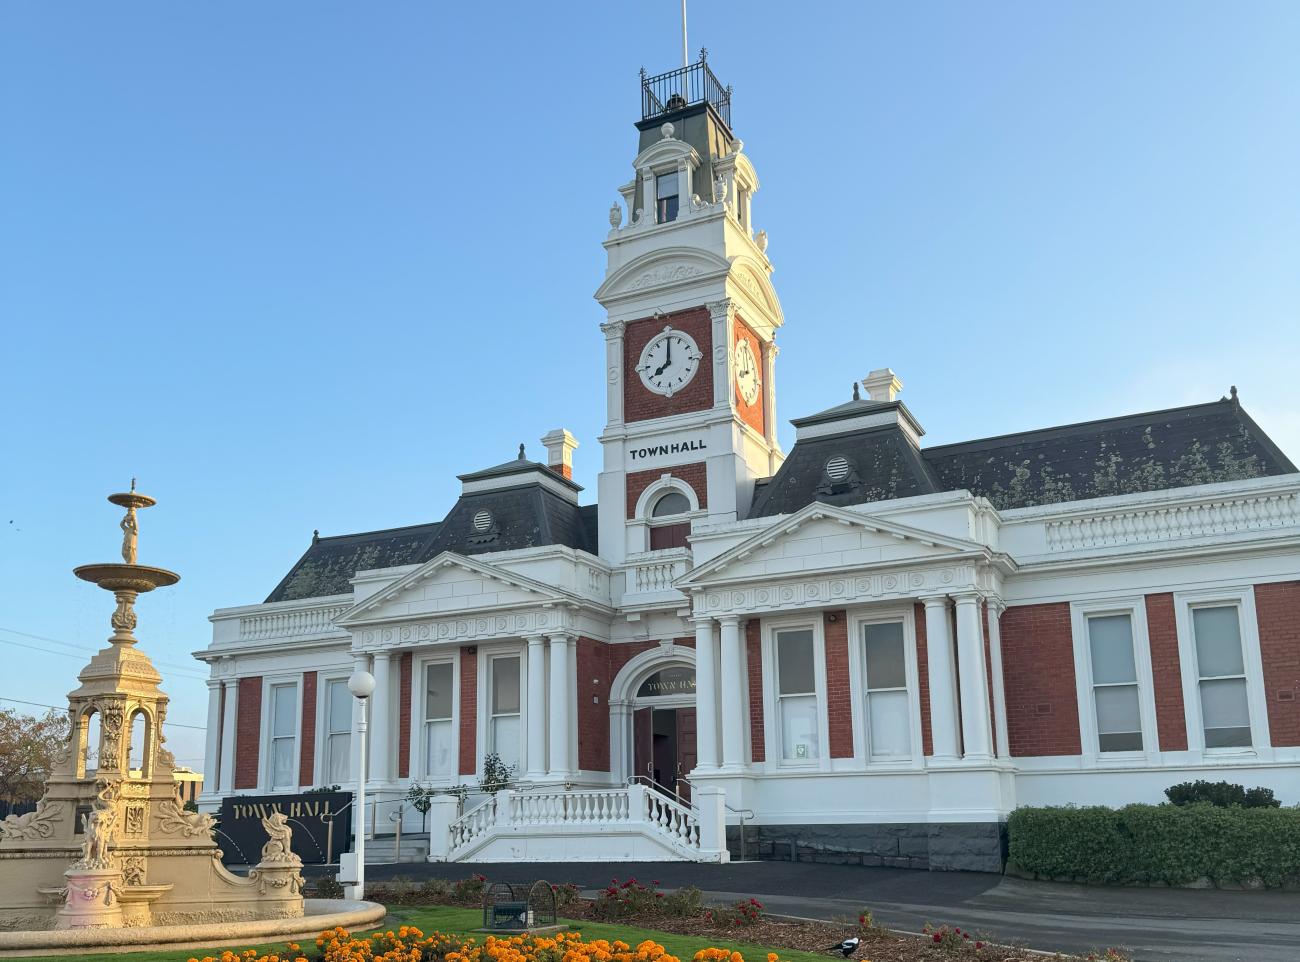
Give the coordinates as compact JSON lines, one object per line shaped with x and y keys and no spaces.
{"x":561,"y":669}
{"x":995,"y":608}
{"x":613,"y":332}
{"x":770,"y":351}
{"x":381,"y":721}
{"x":706,"y":693}
{"x":976,"y":725}
{"x":536,"y":707}
{"x":649,"y":197}
{"x":231,"y":712}
{"x":212,"y":747}
{"x":732,"y":680}
{"x":720,"y":312}
{"x":938,"y":656}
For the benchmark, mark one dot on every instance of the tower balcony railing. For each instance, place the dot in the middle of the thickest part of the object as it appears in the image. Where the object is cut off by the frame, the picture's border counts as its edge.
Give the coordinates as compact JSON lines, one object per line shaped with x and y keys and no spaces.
{"x":684,"y":87}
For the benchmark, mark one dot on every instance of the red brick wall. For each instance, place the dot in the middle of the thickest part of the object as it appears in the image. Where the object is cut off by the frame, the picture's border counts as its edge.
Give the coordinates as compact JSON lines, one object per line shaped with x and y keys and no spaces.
{"x":307,"y":743}
{"x":404,"y":714}
{"x":839,"y":696}
{"x":468,"y":710}
{"x":988,"y":671}
{"x":248,"y":731}
{"x":594,"y":676}
{"x":751,"y":414}
{"x":1162,"y":633}
{"x":1277,"y":610}
{"x":1038,"y":671}
{"x":923,"y":679}
{"x":640,"y":403}
{"x":693,"y":474}
{"x":754,"y":657}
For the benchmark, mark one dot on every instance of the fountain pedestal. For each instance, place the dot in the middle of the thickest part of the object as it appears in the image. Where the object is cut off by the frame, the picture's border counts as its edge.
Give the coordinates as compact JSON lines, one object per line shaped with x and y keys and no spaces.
{"x":92,"y":901}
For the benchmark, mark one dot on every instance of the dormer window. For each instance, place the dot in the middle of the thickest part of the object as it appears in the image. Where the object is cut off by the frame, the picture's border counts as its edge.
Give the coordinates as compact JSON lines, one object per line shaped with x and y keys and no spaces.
{"x":666,"y":197}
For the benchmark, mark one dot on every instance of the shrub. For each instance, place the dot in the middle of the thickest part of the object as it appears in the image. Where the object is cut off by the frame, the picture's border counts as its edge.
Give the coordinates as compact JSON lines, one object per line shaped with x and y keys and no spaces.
{"x":1146,"y":844}
{"x":626,"y":899}
{"x":328,"y":887}
{"x":745,"y":912}
{"x":469,"y":891}
{"x":566,"y":896}
{"x":952,"y":940}
{"x":1222,"y":794}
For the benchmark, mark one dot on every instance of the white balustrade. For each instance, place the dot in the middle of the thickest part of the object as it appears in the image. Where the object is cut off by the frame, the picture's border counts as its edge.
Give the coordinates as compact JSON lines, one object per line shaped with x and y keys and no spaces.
{"x":523,"y":812}
{"x":289,"y":623}
{"x":652,"y":572}
{"x":1193,"y":520}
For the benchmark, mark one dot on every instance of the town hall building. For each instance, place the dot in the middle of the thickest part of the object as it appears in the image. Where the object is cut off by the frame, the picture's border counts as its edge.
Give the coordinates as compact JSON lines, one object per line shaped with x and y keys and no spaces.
{"x":866,"y":649}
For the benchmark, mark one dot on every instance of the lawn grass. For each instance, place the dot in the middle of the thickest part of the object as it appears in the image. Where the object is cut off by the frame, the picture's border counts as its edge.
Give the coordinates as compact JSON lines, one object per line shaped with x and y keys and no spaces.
{"x":458,"y":921}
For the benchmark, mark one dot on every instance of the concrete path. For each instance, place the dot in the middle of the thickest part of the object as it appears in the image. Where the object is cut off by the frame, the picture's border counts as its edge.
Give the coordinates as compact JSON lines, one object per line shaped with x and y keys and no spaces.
{"x":1156,"y":925}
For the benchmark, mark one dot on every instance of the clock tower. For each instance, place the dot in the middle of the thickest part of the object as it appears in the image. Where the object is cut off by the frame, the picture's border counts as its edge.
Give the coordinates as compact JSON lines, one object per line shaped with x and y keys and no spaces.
{"x":692,"y":321}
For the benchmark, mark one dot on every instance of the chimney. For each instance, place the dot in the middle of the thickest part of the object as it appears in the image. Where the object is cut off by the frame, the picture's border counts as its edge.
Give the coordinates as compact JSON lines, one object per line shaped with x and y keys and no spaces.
{"x":882,"y":384}
{"x":559,"y":446}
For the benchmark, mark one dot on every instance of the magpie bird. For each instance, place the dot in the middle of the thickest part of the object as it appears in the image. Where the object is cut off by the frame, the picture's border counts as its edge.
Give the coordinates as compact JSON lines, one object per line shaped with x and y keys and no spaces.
{"x":848,"y":946}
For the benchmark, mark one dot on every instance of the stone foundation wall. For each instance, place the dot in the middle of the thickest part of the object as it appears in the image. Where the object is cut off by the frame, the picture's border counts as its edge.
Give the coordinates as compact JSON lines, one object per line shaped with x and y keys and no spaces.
{"x":945,"y":847}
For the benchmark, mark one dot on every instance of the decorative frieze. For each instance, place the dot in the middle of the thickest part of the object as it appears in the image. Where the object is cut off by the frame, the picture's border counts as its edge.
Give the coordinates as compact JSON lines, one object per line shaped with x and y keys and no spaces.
{"x":848,"y":589}
{"x":481,"y":628}
{"x":1194,"y":520}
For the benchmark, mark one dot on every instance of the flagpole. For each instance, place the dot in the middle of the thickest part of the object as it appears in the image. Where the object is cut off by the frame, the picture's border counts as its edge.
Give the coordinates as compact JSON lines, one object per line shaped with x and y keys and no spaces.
{"x":685,"y":61}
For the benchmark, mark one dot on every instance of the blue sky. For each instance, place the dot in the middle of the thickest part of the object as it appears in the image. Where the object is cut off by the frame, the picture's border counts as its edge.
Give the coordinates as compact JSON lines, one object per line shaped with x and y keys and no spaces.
{"x":297,"y":264}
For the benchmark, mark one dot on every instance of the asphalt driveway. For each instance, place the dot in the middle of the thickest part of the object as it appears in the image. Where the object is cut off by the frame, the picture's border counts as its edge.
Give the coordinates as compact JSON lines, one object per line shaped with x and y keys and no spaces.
{"x":1156,"y":925}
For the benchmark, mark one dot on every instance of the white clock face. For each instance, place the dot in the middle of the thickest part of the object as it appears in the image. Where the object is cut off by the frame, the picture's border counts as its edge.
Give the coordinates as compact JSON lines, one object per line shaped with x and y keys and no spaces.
{"x":747,"y":377}
{"x":669,"y":362}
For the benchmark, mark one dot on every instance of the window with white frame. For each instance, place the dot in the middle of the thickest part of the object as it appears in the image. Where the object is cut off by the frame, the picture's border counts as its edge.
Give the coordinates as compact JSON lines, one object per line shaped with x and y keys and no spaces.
{"x":1221,"y":676}
{"x":338,"y":731}
{"x":439,"y":736}
{"x":796,"y":695}
{"x":503,"y":722}
{"x":1115,"y":693}
{"x":666,"y":197}
{"x":889,"y":723}
{"x":284,"y":736}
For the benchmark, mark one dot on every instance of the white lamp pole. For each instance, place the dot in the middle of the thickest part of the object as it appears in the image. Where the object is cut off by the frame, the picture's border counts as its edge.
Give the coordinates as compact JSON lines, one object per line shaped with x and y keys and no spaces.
{"x":362,"y":686}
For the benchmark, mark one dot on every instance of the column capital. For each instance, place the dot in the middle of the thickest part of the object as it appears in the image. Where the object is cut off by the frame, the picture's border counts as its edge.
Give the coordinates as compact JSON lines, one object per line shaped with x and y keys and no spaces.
{"x":613,"y":329}
{"x":385,"y":655}
{"x":730,"y":620}
{"x":721,"y":310}
{"x":996,"y":603}
{"x":537,"y":639}
{"x":966,"y":597}
{"x":559,"y":637}
{"x":933,"y":601}
{"x":702,"y":621}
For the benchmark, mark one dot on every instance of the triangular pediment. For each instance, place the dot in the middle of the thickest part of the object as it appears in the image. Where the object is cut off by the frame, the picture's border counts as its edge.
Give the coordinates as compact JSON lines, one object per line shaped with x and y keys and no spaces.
{"x":451,"y":584}
{"x":821,"y":538}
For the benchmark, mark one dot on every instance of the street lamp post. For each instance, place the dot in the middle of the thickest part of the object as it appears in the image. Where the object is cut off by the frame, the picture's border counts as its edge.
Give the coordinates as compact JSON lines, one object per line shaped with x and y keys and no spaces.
{"x":362,"y":686}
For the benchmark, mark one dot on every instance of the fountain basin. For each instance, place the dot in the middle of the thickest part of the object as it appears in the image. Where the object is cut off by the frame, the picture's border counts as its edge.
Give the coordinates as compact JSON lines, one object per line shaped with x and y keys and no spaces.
{"x":122,"y":577}
{"x":318,"y":915}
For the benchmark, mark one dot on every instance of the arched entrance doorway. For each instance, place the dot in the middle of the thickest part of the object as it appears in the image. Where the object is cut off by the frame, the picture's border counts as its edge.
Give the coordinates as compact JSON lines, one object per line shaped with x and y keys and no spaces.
{"x":663,"y":728}
{"x":652,"y":715}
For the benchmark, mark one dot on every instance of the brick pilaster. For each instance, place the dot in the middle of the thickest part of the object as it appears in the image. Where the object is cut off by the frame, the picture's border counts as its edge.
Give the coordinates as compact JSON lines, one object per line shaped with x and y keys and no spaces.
{"x":248,"y":732}
{"x":839,"y":695}
{"x":1166,"y":671}
{"x":307,"y":743}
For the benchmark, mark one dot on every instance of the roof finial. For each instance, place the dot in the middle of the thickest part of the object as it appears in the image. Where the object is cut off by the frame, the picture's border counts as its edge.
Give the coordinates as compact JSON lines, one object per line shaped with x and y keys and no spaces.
{"x":133,"y":479}
{"x":1233,"y":393}
{"x":856,"y":395}
{"x":521,"y":453}
{"x":315,"y":536}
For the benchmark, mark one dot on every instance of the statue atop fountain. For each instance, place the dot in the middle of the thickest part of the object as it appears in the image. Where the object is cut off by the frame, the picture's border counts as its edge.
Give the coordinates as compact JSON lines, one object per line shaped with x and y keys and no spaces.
{"x":108,"y":846}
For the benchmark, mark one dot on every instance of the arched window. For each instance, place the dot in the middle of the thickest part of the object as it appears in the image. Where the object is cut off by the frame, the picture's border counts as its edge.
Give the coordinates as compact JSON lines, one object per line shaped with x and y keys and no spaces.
{"x":665,"y":532}
{"x":671,"y":503}
{"x":135,"y":761}
{"x":90,"y":746}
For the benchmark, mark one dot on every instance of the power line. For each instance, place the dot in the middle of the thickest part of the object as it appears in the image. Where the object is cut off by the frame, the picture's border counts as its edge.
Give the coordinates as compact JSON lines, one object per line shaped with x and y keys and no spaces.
{"x":190,"y":669}
{"x":38,"y":704}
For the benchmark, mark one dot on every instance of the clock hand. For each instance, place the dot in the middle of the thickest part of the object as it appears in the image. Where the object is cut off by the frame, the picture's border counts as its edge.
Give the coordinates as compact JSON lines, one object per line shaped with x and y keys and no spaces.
{"x":668,"y":358}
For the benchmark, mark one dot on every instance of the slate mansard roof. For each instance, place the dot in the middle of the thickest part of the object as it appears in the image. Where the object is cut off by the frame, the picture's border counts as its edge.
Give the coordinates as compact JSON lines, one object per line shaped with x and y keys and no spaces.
{"x":1174,"y":448}
{"x":525,"y":515}
{"x":1199,"y":444}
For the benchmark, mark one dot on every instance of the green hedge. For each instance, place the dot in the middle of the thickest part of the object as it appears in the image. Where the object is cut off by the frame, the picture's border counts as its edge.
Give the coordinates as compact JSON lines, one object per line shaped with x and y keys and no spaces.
{"x":1151,"y":844}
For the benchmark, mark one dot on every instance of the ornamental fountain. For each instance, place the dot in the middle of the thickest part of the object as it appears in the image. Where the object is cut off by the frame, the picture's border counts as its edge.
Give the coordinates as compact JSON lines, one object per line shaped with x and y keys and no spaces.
{"x":109,"y":857}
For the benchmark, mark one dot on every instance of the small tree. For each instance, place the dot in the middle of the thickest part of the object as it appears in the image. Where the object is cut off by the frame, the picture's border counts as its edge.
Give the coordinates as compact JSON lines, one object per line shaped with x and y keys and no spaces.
{"x":28,"y":748}
{"x":496,"y":774}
